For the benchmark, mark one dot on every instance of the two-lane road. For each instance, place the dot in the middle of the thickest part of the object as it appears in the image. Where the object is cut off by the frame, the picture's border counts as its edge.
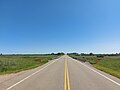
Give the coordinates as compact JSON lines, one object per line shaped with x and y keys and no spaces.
{"x":64,"y":73}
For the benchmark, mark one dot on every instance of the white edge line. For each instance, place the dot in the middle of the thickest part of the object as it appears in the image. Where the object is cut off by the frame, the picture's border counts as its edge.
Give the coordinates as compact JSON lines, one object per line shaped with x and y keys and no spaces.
{"x":99,"y":73}
{"x":29,"y":76}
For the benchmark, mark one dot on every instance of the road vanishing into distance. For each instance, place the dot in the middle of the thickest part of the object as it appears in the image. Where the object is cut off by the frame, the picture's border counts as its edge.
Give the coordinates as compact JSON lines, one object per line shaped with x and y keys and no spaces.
{"x":64,"y":73}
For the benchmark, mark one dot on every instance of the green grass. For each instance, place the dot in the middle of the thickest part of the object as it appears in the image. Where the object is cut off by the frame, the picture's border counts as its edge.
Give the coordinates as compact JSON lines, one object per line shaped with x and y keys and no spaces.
{"x":108,"y":64}
{"x":16,"y":63}
{"x":111,"y":66}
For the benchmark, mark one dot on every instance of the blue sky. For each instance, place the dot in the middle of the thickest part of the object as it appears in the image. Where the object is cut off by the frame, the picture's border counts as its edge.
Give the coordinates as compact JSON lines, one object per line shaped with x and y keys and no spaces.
{"x":45,"y":26}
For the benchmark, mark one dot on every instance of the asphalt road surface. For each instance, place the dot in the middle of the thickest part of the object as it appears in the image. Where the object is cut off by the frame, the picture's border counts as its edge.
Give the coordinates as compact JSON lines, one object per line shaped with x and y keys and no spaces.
{"x":64,"y":73}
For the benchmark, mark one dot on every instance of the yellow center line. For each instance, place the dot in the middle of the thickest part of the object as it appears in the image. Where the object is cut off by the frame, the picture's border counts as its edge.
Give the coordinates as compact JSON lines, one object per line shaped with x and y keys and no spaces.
{"x":66,"y":77}
{"x":68,"y":80}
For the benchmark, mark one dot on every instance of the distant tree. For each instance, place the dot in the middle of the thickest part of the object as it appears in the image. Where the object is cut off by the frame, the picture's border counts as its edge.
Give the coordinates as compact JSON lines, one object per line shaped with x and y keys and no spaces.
{"x":117,"y":54}
{"x":91,"y":54}
{"x":52,"y":53}
{"x":76,"y":54}
{"x":1,"y":54}
{"x":82,"y":54}
{"x":60,"y":53}
{"x":100,"y":56}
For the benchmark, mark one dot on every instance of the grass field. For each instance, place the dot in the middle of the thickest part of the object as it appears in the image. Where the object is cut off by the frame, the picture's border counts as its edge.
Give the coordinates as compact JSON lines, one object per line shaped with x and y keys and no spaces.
{"x":16,"y":63}
{"x":108,"y":64}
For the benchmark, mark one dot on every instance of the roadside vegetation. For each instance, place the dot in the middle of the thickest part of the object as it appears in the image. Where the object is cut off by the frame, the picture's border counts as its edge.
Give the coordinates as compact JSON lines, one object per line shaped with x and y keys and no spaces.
{"x":109,"y":63}
{"x":17,"y":63}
